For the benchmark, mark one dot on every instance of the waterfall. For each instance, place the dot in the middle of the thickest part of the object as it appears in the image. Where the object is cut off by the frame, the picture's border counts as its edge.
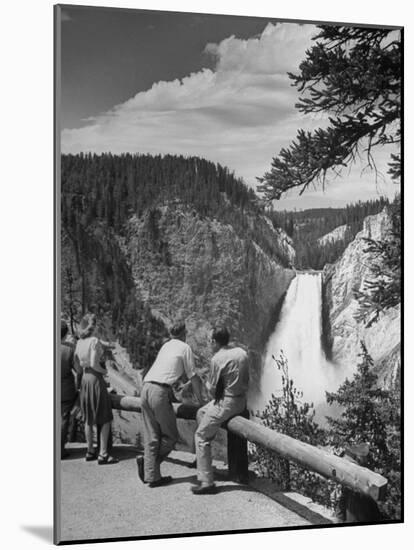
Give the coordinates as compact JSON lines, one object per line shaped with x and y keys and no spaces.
{"x":299,"y":335}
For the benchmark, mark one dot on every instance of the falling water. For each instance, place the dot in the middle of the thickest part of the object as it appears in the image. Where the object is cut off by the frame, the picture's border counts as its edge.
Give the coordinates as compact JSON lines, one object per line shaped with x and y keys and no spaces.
{"x":298,"y":334}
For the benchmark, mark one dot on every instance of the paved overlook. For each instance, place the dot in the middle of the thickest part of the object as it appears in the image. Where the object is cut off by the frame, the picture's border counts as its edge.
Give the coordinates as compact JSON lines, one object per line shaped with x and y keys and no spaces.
{"x":110,"y":501}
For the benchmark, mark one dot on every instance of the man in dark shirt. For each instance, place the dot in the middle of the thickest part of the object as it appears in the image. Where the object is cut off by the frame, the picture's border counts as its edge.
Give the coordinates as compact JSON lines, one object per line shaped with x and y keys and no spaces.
{"x":228,"y":383}
{"x":70,"y":382}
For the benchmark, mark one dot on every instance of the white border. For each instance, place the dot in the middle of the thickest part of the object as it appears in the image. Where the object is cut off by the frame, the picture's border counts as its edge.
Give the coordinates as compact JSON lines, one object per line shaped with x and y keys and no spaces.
{"x":27,"y":284}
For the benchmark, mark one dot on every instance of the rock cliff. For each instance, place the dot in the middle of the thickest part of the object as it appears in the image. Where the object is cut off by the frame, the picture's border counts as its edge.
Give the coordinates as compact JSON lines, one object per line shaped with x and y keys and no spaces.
{"x":188,"y":266}
{"x":342,"y":331}
{"x":335,"y":235}
{"x":124,"y":380}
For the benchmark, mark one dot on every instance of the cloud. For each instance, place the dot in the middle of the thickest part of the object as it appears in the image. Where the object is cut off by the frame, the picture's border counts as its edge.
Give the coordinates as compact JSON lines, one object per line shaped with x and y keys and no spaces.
{"x":239,"y":114}
{"x":279,"y":49}
{"x":220,"y":114}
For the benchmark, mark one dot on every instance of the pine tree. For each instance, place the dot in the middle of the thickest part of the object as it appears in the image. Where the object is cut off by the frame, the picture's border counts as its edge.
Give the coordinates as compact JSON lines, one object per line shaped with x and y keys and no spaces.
{"x":370,"y":415}
{"x":288,"y":415}
{"x":354,"y":75}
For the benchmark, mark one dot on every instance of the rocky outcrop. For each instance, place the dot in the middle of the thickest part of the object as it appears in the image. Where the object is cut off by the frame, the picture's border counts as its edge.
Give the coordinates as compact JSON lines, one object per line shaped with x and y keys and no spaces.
{"x":343,"y":332}
{"x":198,"y":269}
{"x":335,"y":235}
{"x":124,"y":380}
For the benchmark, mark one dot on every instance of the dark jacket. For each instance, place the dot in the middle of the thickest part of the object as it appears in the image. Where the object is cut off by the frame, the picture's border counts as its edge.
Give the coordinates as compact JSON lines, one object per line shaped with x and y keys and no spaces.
{"x":68,"y":388}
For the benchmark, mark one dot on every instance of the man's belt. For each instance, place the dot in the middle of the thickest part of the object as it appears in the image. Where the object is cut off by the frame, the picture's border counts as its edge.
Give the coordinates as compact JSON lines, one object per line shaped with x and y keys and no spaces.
{"x":157,"y":383}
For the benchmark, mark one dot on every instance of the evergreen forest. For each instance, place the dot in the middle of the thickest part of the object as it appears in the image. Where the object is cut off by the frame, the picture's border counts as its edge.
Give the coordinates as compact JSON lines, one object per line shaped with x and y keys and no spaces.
{"x":100,"y":193}
{"x":306,"y":227}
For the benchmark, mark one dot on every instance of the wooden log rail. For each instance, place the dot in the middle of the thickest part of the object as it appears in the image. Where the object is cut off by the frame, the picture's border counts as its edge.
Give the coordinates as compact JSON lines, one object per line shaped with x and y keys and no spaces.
{"x":350,"y":475}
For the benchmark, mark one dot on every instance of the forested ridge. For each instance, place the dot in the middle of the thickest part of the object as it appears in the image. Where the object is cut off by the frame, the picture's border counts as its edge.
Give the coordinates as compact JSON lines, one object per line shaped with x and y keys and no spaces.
{"x":111,"y":187}
{"x":306,"y":227}
{"x":101,"y":193}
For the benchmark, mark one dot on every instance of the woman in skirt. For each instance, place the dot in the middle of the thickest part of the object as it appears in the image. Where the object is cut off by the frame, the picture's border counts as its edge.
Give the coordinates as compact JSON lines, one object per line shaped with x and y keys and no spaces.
{"x":94,"y":398}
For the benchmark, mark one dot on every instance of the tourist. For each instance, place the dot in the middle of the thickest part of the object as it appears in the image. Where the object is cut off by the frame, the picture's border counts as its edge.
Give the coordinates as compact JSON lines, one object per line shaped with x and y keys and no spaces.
{"x":70,"y":382}
{"x":94,"y":398}
{"x":174,"y":360}
{"x":227,"y":384}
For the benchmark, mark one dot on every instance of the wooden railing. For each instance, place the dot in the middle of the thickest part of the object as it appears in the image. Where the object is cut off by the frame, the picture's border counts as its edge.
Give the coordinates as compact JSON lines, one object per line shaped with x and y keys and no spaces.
{"x":358,"y":479}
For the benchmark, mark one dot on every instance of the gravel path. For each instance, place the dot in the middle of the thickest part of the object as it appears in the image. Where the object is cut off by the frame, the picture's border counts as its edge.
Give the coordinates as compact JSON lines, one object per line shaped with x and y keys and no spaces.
{"x":110,"y":501}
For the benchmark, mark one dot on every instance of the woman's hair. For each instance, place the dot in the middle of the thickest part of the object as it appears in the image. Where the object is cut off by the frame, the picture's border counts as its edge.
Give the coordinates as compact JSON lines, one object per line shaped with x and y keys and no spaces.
{"x":87,"y":325}
{"x":221,"y":335}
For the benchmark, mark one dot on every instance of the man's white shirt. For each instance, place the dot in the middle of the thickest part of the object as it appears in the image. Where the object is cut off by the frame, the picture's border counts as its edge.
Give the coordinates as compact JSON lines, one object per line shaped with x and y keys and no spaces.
{"x":173,"y":360}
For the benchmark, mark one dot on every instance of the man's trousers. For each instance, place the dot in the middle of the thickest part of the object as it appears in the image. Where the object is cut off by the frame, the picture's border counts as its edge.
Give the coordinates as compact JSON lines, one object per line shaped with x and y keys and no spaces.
{"x":210,"y":418}
{"x":160,"y":427}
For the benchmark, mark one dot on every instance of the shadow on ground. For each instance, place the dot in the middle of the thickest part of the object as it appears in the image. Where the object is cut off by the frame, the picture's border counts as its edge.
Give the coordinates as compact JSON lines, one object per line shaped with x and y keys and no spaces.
{"x":180,"y":462}
{"x":122,"y":452}
{"x":229,"y":488}
{"x":184,"y":479}
{"x":43,"y":532}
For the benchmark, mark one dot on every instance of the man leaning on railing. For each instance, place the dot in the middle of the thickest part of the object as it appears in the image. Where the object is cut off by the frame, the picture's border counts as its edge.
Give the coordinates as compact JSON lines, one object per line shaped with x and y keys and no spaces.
{"x":174,"y":360}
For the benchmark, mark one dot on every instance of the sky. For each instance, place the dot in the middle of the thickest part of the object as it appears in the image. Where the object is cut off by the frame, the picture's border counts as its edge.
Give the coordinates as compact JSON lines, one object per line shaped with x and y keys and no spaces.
{"x":190,"y":84}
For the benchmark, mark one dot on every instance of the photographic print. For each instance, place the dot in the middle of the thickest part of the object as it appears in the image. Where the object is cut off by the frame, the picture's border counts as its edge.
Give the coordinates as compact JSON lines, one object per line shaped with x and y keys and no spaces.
{"x":228,"y":274}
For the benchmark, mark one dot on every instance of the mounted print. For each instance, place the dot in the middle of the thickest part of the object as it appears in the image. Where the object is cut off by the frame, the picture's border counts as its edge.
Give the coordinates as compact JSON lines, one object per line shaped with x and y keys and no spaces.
{"x":228,"y":274}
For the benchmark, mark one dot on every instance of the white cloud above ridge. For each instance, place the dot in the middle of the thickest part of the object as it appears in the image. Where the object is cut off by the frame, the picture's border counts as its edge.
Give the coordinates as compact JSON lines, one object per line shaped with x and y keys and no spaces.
{"x":248,"y":90}
{"x":279,"y":49}
{"x":240,"y":114}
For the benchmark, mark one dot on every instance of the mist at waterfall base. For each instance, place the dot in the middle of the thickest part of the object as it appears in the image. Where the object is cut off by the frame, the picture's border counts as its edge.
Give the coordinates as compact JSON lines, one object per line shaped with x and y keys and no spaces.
{"x":298,"y":334}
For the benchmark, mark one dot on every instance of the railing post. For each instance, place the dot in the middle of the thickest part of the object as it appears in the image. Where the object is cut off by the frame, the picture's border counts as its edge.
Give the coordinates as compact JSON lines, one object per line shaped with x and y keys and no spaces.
{"x":237,"y":458}
{"x":355,"y":507}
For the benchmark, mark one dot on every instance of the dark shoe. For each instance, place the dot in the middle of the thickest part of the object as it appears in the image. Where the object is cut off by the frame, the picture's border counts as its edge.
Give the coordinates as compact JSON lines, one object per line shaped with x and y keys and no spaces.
{"x":140,"y":464}
{"x":107,"y":459}
{"x":160,"y":482}
{"x":204,"y":490}
{"x":90,"y":456}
